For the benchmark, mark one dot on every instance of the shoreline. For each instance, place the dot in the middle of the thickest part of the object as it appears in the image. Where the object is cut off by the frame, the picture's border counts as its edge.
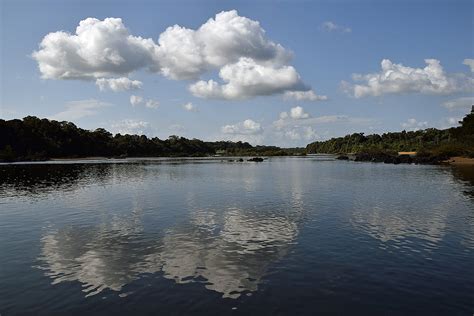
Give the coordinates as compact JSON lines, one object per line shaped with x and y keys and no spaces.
{"x":459,"y":161}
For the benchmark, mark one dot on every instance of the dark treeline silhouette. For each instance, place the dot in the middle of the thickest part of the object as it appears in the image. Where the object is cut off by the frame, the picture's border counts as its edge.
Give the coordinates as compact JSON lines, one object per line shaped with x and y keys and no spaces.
{"x":448,"y":142}
{"x":39,"y":139}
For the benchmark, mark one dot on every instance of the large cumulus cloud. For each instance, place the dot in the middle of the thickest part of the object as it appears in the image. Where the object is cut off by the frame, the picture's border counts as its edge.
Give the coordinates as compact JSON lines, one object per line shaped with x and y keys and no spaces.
{"x":250,"y":64}
{"x":98,"y":49}
{"x":246,"y":79}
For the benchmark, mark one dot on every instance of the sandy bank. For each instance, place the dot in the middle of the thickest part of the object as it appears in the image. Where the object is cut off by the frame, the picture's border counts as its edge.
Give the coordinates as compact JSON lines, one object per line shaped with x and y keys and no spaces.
{"x":460,"y":161}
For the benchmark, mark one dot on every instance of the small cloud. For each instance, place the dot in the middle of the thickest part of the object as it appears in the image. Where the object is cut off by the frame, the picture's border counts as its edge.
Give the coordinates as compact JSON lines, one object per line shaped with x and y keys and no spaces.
{"x":470,"y":63}
{"x":297,"y":133}
{"x":190,"y":107}
{"x":149,"y":103}
{"x":152,"y":104}
{"x":414,"y":125}
{"x":247,"y":127}
{"x":286,"y":118}
{"x":78,"y":109}
{"x":298,"y":113}
{"x":329,"y":26}
{"x":135,"y":100}
{"x":118,"y":84}
{"x":131,"y":126}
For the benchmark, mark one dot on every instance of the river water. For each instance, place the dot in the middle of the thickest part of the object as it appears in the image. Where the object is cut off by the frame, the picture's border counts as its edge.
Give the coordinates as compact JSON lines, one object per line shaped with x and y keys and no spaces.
{"x":295,"y":236}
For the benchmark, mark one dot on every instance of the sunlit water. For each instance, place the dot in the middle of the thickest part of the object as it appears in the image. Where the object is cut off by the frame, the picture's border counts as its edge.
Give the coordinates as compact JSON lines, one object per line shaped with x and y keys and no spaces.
{"x":286,"y":236}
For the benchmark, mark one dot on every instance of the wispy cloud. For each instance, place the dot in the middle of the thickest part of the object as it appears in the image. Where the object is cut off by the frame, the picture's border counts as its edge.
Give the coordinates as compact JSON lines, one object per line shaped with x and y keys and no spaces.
{"x":464,"y":103}
{"x":330,"y":26}
{"x":149,"y":103}
{"x":78,"y":109}
{"x":309,"y":95}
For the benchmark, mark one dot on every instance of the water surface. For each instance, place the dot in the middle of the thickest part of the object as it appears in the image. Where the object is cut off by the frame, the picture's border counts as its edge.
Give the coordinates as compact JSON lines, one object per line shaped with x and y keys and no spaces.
{"x":207,"y":236}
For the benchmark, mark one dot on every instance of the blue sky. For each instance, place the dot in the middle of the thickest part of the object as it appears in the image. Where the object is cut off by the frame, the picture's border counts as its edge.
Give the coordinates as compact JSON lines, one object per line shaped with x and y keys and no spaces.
{"x":288,"y":85}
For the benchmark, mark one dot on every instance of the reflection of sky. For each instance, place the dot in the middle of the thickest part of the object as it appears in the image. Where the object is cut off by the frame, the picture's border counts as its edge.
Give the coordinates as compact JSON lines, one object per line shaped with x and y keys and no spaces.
{"x":230,"y":251}
{"x":401,"y":218}
{"x":224,"y":225}
{"x":385,"y":226}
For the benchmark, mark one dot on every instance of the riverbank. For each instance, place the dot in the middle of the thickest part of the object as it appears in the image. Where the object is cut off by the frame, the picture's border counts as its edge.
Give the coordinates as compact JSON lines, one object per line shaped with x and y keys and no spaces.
{"x":462,"y":161}
{"x":427,"y":159}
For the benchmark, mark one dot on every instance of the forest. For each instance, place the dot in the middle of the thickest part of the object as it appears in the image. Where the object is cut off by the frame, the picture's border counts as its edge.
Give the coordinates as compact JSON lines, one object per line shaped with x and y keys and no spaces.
{"x":455,"y":141}
{"x":33,"y":138}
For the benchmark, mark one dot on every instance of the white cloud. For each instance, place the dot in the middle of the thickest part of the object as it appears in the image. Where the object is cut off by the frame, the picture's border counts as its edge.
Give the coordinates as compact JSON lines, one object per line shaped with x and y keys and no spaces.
{"x":236,"y":45}
{"x":287,"y":118}
{"x":329,"y":26}
{"x":190,"y":107}
{"x":396,"y":78}
{"x":130,"y":126}
{"x":186,"y":53}
{"x":135,"y":100}
{"x":470,"y":63}
{"x":464,"y":103}
{"x":152,"y":104}
{"x":98,"y":49}
{"x":78,"y":109}
{"x":298,"y":113}
{"x":414,"y":125}
{"x":309,"y":95}
{"x":297,"y":133}
{"x":296,"y":125}
{"x":247,"y":127}
{"x":106,"y":48}
{"x":149,"y":103}
{"x":246,"y":79}
{"x":118,"y":84}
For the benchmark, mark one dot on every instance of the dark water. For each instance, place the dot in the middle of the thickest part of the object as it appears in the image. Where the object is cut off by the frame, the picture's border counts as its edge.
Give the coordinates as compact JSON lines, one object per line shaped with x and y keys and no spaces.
{"x":287,"y":236}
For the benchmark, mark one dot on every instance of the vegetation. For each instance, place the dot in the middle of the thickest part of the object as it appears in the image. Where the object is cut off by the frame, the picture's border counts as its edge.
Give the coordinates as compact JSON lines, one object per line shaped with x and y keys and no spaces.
{"x":39,"y":139}
{"x":431,"y":142}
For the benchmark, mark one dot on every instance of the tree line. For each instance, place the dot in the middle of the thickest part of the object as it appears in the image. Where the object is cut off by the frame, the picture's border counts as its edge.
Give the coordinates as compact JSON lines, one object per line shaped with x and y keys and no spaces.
{"x":448,"y":142}
{"x":33,"y":138}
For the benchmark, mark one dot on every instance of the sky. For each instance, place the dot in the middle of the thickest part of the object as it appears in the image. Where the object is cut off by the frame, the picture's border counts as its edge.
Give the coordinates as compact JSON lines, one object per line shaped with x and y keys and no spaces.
{"x":283,"y":73}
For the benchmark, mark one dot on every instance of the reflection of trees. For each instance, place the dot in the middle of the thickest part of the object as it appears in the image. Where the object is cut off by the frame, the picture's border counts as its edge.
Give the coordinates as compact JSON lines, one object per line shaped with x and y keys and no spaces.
{"x":229,"y":252}
{"x":17,"y":180}
{"x":465,"y":175}
{"x":37,"y":179}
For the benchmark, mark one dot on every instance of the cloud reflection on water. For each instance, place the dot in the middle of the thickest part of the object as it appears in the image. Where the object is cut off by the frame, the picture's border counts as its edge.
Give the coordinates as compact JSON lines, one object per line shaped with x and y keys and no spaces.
{"x":229,"y":251}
